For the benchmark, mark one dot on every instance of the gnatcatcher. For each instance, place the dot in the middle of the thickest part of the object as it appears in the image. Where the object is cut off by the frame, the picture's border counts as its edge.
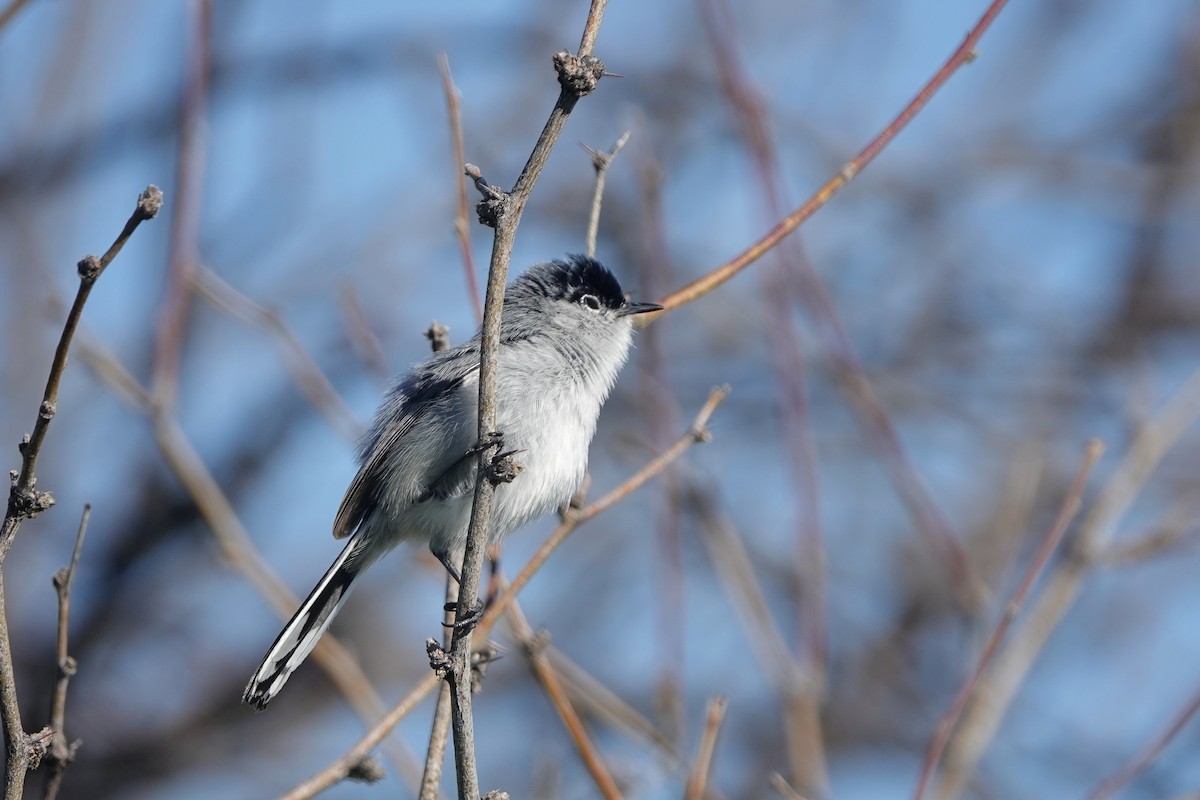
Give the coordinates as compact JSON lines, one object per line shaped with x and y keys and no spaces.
{"x":564,"y":335}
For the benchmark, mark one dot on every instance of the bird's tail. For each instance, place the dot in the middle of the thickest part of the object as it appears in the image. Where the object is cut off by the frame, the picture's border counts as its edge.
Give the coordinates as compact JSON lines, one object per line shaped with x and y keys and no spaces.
{"x":304,"y":629}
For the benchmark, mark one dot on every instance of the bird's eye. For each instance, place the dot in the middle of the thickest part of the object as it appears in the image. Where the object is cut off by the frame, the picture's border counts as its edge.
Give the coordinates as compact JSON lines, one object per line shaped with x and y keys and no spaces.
{"x":591,"y":301}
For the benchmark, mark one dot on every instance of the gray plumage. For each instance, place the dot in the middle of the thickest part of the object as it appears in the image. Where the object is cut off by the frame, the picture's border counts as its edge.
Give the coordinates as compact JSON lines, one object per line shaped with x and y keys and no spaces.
{"x":564,"y":335}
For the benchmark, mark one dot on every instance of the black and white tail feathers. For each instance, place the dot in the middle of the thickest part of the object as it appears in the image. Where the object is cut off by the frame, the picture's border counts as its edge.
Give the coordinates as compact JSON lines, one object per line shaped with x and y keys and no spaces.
{"x":303,"y":630}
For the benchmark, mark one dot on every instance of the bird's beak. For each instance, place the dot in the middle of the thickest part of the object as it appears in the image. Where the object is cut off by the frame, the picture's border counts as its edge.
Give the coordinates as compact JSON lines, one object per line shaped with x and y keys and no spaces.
{"x":637,"y":308}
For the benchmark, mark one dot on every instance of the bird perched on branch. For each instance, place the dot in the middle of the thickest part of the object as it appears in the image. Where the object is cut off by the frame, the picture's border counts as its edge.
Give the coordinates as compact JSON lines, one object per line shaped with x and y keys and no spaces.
{"x":565,"y":332}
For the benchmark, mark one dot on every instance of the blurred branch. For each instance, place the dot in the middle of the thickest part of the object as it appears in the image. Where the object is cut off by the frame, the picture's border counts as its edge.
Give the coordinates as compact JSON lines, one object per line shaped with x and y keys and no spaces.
{"x":362,"y":335}
{"x":600,"y":163}
{"x":534,"y":646}
{"x":997,"y":689}
{"x":61,"y":753}
{"x":578,"y":76}
{"x":340,"y":768}
{"x":1070,"y":507}
{"x":312,"y":382}
{"x":964,"y":54}
{"x":185,"y":212}
{"x":795,"y":685}
{"x":453,"y":109}
{"x":697,"y":785}
{"x":235,"y":543}
{"x":1143,"y":759}
{"x":804,"y":739}
{"x":9,"y":12}
{"x":25,"y":502}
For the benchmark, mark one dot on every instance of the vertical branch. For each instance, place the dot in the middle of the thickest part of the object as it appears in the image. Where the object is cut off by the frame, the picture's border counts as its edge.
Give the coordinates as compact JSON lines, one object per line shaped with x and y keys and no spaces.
{"x":25,"y":502}
{"x":185,"y":216}
{"x":61,"y":752}
{"x":601,"y":163}
{"x":577,"y":75}
{"x":697,"y":784}
{"x":1070,"y":507}
{"x":453,"y":109}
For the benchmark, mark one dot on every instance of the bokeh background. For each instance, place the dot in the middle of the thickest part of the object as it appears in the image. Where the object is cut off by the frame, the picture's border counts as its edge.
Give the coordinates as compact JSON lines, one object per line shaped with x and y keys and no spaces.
{"x":1015,"y":274}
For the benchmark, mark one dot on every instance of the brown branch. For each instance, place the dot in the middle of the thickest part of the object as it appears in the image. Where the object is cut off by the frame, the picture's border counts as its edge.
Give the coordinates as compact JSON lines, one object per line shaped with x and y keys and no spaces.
{"x":805,"y":745}
{"x":435,"y":753}
{"x":10,"y":11}
{"x":340,"y":768}
{"x":362,"y":336}
{"x":185,"y":213}
{"x":964,"y":54}
{"x":308,"y":377}
{"x":25,"y":502}
{"x":534,"y":646}
{"x":62,"y":752}
{"x":461,"y":230}
{"x":697,"y":785}
{"x":600,"y":163}
{"x":1070,"y":507}
{"x":1147,"y":449}
{"x":578,"y":75}
{"x":1147,"y":755}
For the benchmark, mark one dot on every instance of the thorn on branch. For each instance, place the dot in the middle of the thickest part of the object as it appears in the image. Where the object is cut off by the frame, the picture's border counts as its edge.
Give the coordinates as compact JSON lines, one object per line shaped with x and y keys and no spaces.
{"x":438,"y":336}
{"x":577,"y":76}
{"x":495,"y":203}
{"x":369,"y":770}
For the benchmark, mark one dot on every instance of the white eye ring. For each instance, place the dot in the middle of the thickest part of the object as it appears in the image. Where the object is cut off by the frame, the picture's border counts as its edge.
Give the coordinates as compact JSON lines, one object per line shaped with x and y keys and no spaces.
{"x":591,"y":301}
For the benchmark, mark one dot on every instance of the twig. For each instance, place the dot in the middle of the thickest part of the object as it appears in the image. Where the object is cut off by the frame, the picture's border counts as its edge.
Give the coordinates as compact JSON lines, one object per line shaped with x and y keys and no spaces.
{"x":461,"y":230}
{"x":784,"y":788}
{"x":964,"y":54}
{"x":235,"y":543}
{"x":362,"y":336}
{"x":805,"y":745}
{"x":312,"y":382}
{"x":185,"y":215}
{"x":1147,"y":449}
{"x":25,"y":502}
{"x":697,"y":784}
{"x":1070,"y":507}
{"x":1147,"y":755}
{"x":339,"y":769}
{"x":10,"y":11}
{"x":435,"y":753}
{"x":601,"y":163}
{"x":534,"y":645}
{"x":61,"y":752}
{"x":577,"y":75}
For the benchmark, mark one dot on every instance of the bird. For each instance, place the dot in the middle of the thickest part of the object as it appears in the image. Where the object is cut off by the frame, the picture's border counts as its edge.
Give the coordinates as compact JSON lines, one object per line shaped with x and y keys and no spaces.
{"x":565,"y":332}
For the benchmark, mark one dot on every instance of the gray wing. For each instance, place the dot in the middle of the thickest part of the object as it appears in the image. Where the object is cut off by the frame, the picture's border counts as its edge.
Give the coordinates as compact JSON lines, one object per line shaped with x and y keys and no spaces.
{"x":434,"y":383}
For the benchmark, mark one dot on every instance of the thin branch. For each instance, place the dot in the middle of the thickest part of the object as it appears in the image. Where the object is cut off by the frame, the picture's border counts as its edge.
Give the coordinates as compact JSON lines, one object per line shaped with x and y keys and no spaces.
{"x":308,"y":377}
{"x":1147,"y":755}
{"x":185,"y":213}
{"x":25,"y":502}
{"x":439,"y":733}
{"x":601,"y":163}
{"x":534,"y":646}
{"x":964,"y":54}
{"x":784,"y":788}
{"x":62,"y":752}
{"x":10,"y":11}
{"x":362,"y":336}
{"x":577,"y":75}
{"x":1070,"y":507}
{"x":1146,"y":451}
{"x":697,"y":785}
{"x":461,"y":230}
{"x":340,"y":768}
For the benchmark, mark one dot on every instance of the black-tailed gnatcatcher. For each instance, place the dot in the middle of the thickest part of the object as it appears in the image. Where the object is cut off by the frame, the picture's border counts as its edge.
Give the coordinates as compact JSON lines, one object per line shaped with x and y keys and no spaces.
{"x":564,"y":335}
